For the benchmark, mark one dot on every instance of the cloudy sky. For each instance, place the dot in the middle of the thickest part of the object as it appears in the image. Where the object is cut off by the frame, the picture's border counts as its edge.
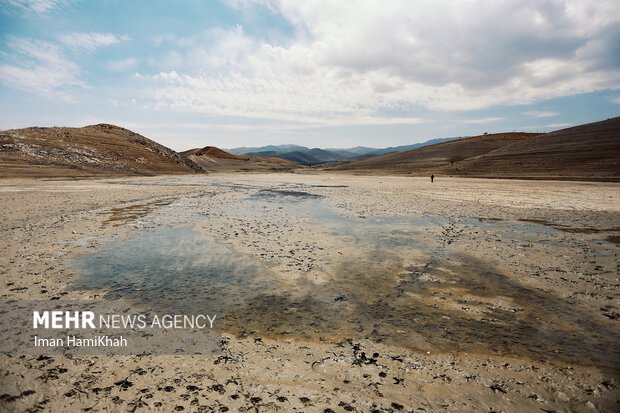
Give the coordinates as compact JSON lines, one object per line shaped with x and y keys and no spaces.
{"x":229,"y":73}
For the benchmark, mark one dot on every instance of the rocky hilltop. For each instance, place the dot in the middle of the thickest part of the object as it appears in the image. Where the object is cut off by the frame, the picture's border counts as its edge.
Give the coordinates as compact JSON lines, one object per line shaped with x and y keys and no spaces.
{"x":96,"y":150}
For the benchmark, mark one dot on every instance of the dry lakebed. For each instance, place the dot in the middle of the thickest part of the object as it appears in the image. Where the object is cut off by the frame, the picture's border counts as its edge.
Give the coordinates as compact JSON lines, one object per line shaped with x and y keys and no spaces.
{"x":339,"y":292}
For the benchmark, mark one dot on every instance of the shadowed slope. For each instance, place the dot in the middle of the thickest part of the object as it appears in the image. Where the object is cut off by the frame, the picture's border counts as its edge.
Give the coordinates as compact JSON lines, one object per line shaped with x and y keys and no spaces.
{"x":434,"y":158}
{"x":585,"y":152}
{"x":590,"y":151}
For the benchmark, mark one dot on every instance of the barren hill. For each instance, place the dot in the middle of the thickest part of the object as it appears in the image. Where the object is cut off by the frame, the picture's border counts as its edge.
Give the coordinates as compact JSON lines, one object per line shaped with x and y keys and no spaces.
{"x":440,"y":157}
{"x":97,"y":150}
{"x":210,"y":151}
{"x":590,"y":151}
{"x":211,"y":158}
{"x":585,"y":152}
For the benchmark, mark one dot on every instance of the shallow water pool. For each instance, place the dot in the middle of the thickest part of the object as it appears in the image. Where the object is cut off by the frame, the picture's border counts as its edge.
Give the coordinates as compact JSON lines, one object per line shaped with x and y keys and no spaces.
{"x":449,"y":302}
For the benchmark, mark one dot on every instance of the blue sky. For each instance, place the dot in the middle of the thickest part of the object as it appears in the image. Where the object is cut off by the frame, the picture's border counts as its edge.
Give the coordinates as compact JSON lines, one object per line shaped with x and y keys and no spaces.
{"x":317,"y":73}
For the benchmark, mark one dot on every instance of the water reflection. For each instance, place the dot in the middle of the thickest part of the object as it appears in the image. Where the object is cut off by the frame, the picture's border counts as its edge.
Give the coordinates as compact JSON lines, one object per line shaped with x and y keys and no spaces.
{"x":446,"y":303}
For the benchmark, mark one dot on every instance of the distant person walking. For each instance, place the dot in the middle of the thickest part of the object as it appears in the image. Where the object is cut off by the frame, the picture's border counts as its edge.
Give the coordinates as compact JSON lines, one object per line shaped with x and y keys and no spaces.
{"x":432,"y":178}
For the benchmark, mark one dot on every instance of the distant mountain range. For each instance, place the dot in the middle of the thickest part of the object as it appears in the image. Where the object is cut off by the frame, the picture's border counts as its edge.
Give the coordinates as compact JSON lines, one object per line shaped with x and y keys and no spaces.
{"x":316,"y":156}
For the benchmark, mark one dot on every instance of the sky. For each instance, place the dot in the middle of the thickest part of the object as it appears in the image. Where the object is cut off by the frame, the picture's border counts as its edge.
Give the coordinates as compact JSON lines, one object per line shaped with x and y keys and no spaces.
{"x":331,"y":74}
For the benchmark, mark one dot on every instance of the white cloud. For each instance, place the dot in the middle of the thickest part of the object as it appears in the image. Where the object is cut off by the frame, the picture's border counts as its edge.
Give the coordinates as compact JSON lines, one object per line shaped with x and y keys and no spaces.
{"x":480,"y":121}
{"x":542,"y":114}
{"x":38,"y":6}
{"x":123,"y":64}
{"x":616,"y":100}
{"x":273,"y":97}
{"x":559,"y":125}
{"x":90,"y":41}
{"x":40,"y":67}
{"x":364,"y":59}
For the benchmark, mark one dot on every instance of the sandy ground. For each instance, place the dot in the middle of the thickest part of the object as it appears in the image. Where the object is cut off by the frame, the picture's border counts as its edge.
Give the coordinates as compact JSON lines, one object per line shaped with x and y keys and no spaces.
{"x":46,"y":224}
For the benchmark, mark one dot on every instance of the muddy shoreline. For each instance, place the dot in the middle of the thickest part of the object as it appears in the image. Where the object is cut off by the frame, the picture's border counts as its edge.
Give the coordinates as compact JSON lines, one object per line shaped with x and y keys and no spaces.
{"x":562,"y":276}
